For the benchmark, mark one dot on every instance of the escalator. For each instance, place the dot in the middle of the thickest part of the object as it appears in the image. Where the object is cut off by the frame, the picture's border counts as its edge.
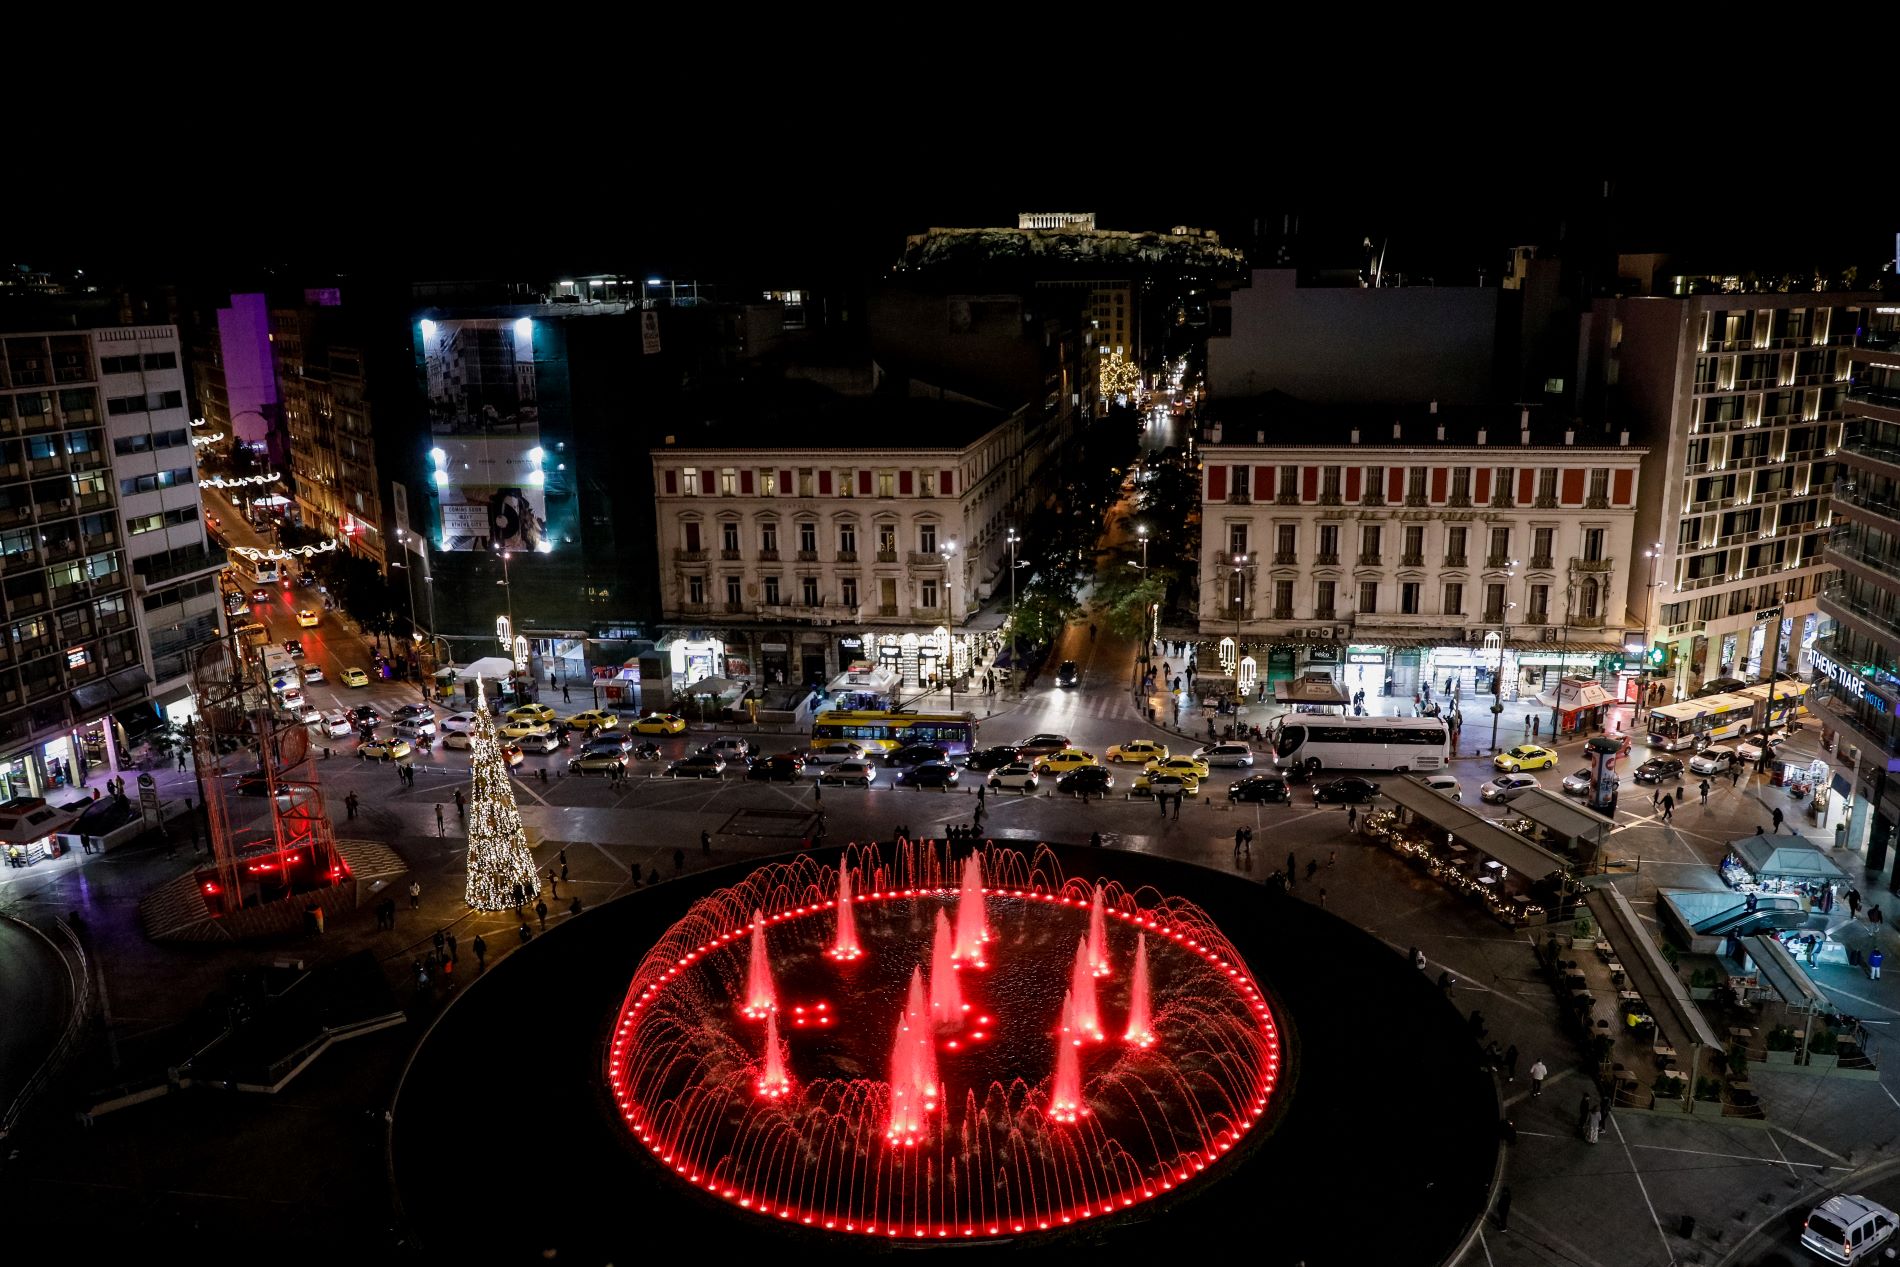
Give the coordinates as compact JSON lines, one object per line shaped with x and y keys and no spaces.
{"x":1772,"y":911}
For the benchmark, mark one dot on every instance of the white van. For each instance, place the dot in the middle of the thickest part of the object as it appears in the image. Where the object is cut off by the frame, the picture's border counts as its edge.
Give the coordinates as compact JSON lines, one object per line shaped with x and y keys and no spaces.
{"x":1847,"y":1229}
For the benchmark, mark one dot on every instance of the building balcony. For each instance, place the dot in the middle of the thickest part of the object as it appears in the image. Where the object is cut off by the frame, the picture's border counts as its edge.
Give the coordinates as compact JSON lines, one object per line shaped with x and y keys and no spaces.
{"x":768,"y":556}
{"x":1497,"y":561}
{"x":1541,"y":563}
{"x":1372,"y":499}
{"x":1287,"y":499}
{"x":1326,"y":560}
{"x":933,"y":615}
{"x":1459,"y":501}
{"x":1587,"y":622}
{"x":690,"y":556}
{"x":1411,"y":560}
{"x":808,"y":556}
{"x":1454,"y":560}
{"x":1501,"y":501}
{"x":1238,"y":497}
{"x":1325,"y":613}
{"x":1596,"y":503}
{"x":887,"y":556}
{"x":1495,"y":616}
{"x":733,"y":608}
{"x":1370,"y":560}
{"x":926,"y":559}
{"x":1281,"y":613}
{"x":1285,"y":558}
{"x":1330,"y":499}
{"x":813,"y":612}
{"x":1415,"y":499}
{"x":887,"y":609}
{"x":1593,"y":565}
{"x":847,"y":556}
{"x":729,"y":556}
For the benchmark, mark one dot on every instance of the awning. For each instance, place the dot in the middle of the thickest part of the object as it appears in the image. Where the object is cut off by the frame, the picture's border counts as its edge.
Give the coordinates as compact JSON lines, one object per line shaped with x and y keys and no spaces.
{"x":1677,"y":1018}
{"x":1573,"y":694}
{"x":140,"y":719}
{"x":1563,"y":816}
{"x":714,"y":686}
{"x":1313,"y":688}
{"x":1790,"y":860}
{"x":25,"y":819}
{"x":1574,"y":648}
{"x":1489,"y":839}
{"x":495,"y":667}
{"x":1783,"y":973}
{"x":95,"y":698}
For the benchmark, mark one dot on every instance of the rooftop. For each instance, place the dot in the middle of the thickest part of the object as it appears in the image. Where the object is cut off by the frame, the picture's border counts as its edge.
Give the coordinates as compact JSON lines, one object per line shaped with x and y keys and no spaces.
{"x":796,"y":416}
{"x":1281,"y":421}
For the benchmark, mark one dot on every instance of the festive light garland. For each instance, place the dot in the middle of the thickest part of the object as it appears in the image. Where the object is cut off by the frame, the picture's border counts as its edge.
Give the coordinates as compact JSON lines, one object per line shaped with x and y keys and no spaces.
{"x":239,"y":481}
{"x":498,"y":856}
{"x":1385,"y":825}
{"x":1118,"y":376}
{"x":201,"y":441}
{"x":307,"y":552}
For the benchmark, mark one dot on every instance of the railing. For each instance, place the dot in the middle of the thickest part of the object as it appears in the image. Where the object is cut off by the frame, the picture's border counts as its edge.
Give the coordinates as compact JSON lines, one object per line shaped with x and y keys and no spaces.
{"x":1502,"y":499}
{"x":1497,"y":561}
{"x":1540,"y":561}
{"x":1326,"y":560}
{"x":1459,"y":501}
{"x":808,"y":556}
{"x":1411,"y":560}
{"x":926,"y":559}
{"x":1325,"y":613}
{"x":735,"y":609}
{"x":1372,"y":499}
{"x":1587,"y":622}
{"x":1287,"y":499}
{"x":1454,"y":560}
{"x":730,"y":556}
{"x":1329,"y":499}
{"x":1593,"y":565}
{"x":1596,"y":502}
{"x":887,"y":609}
{"x":1493,"y":616}
{"x":847,"y":556}
{"x":1282,"y":613}
{"x":809,"y":611}
{"x":768,"y":556}
{"x":927,"y":613}
{"x":1369,"y":561}
{"x":1285,"y":558}
{"x":887,"y":556}
{"x":1238,"y":496}
{"x":690,"y":556}
{"x":1415,"y":499}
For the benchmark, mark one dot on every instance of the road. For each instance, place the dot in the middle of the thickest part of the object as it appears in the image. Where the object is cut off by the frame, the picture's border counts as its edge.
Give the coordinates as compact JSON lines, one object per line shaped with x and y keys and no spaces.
{"x":34,"y":1000}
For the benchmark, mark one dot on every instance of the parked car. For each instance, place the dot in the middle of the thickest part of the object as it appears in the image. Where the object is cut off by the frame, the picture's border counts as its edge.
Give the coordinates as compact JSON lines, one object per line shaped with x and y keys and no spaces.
{"x":1848,"y":1229}
{"x":531,"y":713}
{"x":1577,"y":784}
{"x":1750,"y":748}
{"x":1446,"y":783}
{"x":1138,"y":752}
{"x":590,"y":761}
{"x":1042,"y":745}
{"x":917,"y":754}
{"x":930,"y":774}
{"x":1165,"y":783}
{"x":1656,"y":769}
{"x":391,"y":748}
{"x":1527,"y":756}
{"x":1225,"y":754}
{"x":1091,"y":779}
{"x":1506,"y":787}
{"x":731,"y":748}
{"x":1068,"y":675}
{"x":1064,"y":761}
{"x":1350,"y":790}
{"x":986,"y":759}
{"x":786,"y":767}
{"x":1270,"y":789}
{"x":1712,"y":760}
{"x":1018,"y":775}
{"x":660,"y":724}
{"x":697,"y":767}
{"x":862,"y":773}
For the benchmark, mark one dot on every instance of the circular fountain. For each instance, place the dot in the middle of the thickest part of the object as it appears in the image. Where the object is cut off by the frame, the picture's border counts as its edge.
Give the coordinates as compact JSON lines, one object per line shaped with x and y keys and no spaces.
{"x":898,"y":1047}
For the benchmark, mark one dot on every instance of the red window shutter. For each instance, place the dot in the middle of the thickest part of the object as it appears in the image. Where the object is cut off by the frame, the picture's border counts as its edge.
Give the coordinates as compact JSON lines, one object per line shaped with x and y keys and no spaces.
{"x":1526,"y":486}
{"x":1573,"y":486}
{"x":745,"y":482}
{"x":1621,"y":482}
{"x":1441,"y":478}
{"x":946,"y":483}
{"x":1263,"y":483}
{"x":1216,"y":483}
{"x":906,"y":481}
{"x":672,"y":482}
{"x":1395,"y":484}
{"x":1481,"y":485}
{"x":785,"y":487}
{"x":1353,"y":476}
{"x":824,"y":483}
{"x":1309,"y":483}
{"x":864,"y":483}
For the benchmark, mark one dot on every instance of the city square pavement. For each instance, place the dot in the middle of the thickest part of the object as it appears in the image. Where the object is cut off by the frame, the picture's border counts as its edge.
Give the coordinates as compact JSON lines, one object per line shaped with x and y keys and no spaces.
{"x":306,"y":1161}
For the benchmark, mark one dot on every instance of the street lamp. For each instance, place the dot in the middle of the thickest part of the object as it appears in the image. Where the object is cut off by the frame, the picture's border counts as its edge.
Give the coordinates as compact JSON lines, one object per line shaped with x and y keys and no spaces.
{"x":409,"y":583}
{"x":1504,"y":636}
{"x":948,"y":553}
{"x":1240,"y":603}
{"x":1649,"y":600}
{"x":1015,"y":643}
{"x":503,"y":582}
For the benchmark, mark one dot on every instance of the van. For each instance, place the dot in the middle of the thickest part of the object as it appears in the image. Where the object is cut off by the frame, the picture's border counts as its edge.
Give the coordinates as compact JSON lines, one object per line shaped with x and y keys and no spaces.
{"x":1847,"y":1229}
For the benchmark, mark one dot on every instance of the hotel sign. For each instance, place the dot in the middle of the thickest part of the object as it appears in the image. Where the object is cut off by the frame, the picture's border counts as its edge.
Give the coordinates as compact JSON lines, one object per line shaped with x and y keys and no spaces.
{"x":1852,"y":684}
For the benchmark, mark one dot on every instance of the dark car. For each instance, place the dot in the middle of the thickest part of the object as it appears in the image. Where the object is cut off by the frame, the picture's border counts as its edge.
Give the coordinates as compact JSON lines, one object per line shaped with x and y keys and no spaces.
{"x":618,"y":740}
{"x":1656,"y":769}
{"x":1089,"y":778}
{"x":365,"y":715}
{"x":697,"y":767}
{"x":1270,"y":788}
{"x":917,"y":754}
{"x":990,"y":758}
{"x":930,"y":774}
{"x":1068,"y":674}
{"x":648,"y":751}
{"x":784,"y":768}
{"x":1347,"y":791}
{"x":1042,"y":745}
{"x":254,"y":784}
{"x":293,"y":648}
{"x":1719,"y":686}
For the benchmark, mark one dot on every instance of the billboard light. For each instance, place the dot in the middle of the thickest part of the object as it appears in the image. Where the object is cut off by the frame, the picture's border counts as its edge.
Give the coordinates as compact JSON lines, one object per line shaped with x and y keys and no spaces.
{"x":428,"y":329}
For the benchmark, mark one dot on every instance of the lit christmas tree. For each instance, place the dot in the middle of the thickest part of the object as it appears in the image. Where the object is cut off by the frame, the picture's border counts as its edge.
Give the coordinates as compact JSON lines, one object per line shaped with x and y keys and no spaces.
{"x":498,"y":857}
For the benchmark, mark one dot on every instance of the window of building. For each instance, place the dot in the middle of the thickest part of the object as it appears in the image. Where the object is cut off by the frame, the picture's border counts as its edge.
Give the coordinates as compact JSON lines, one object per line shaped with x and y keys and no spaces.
{"x":1503,"y":485}
{"x":690,"y":531}
{"x":1283,"y":599}
{"x":696,"y":591}
{"x":1375,"y":484}
{"x":1461,"y":483}
{"x":1540,"y":604}
{"x":161,"y":361}
{"x":1593,"y":545}
{"x":926,"y":483}
{"x":927,"y":539}
{"x":1369,"y":544}
{"x":1590,"y":595}
{"x":807,"y":537}
{"x":1500,"y":555}
{"x":1408,"y":598}
{"x":806,"y":485}
{"x":771,"y":589}
{"x":887,"y":483}
{"x":1323,"y":600}
{"x":1454,"y":599}
{"x":118,"y":364}
{"x":1290,"y":482}
{"x":768,"y":537}
{"x":1368,"y":597}
{"x":1329,"y":543}
{"x":1547,"y":486}
{"x":768,"y":483}
{"x":1415,"y":485}
{"x":927,"y":595}
{"x":729,"y":482}
{"x":1236,"y":538}
{"x":1600,"y":484}
{"x":847,"y":538}
{"x":689,"y":481}
{"x":808,"y":590}
{"x":1285,"y":534}
{"x":848,"y":590}
{"x":887,"y":539}
{"x":1543,"y":541}
{"x":729,"y":537}
{"x":1494,"y":603}
{"x":735,"y":596}
{"x":1414,"y":546}
{"x":1329,"y":482}
{"x":844,"y":485}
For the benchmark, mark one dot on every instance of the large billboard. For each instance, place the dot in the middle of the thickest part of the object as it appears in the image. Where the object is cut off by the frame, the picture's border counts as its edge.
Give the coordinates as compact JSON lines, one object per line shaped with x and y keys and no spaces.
{"x":485,"y":420}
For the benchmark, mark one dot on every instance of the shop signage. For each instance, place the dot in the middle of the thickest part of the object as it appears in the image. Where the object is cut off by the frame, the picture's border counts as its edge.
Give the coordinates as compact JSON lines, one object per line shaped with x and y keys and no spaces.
{"x":851,"y":644}
{"x":771,"y":646}
{"x":1768,"y":613}
{"x":1851,"y":683}
{"x":76,"y":657}
{"x":1365,"y":657}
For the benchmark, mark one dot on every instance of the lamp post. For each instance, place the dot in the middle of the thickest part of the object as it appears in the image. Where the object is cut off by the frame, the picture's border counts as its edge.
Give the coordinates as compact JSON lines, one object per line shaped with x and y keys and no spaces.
{"x":1240,"y":604}
{"x":948,"y":553}
{"x":504,"y":583}
{"x":415,"y":640}
{"x":1649,"y":599}
{"x":1504,"y":636}
{"x":1015,"y":648}
{"x":1141,"y":533}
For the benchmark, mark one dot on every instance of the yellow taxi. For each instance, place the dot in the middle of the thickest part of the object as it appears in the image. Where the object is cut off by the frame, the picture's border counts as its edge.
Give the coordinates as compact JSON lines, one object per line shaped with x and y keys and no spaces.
{"x":383,"y":749}
{"x":355,"y":677}
{"x":660,"y":724}
{"x":594,"y":719}
{"x":1526,"y":757}
{"x":308,"y":619}
{"x":1139,"y":751}
{"x":1189,"y":767}
{"x":522,"y":727}
{"x":1064,"y":761}
{"x":1167,"y":783}
{"x":531,"y":712}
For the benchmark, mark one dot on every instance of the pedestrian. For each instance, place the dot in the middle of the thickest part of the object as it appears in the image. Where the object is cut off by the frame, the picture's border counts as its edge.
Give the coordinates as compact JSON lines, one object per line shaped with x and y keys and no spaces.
{"x":653,"y":874}
{"x":1704,"y":789}
{"x":1292,"y":864}
{"x":520,"y":895}
{"x":1417,"y":958}
{"x":451,"y":944}
{"x":523,"y":933}
{"x":1312,"y":867}
{"x":1445,"y":983}
{"x":1352,"y":818}
{"x":634,"y":870}
{"x":480,"y":948}
{"x":554,"y":884}
{"x":679,"y":860}
{"x":1538,"y":1074}
{"x":1162,"y":803}
{"x":1669,"y":808}
{"x":415,"y":895}
{"x":541,"y":913}
{"x":1475,"y":1023}
{"x":441,"y":942}
{"x":349,"y":803}
{"x":1586,"y":1114}
{"x":1240,"y":839}
{"x":1873,"y":917}
{"x":1874,"y":960}
{"x":705,"y":843}
{"x":1249,"y":846}
{"x":1510,"y":1063}
{"x":440,"y":829}
{"x":181,"y":758}
{"x":1853,"y":903}
{"x":979,"y":795}
{"x":565,"y":698}
{"x":1734,"y":775}
{"x":1332,"y":857}
{"x":574,"y":907}
{"x":818,"y":791}
{"x":1776,"y":815}
{"x":1322,"y":897}
{"x":1655,"y":799}
{"x":1178,"y":798}
{"x":564,"y":867}
{"x":562,"y":859}
{"x":460,"y":807}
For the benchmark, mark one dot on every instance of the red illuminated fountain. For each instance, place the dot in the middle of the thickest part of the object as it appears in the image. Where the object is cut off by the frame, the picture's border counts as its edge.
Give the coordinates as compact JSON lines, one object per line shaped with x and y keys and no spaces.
{"x":941,"y":1104}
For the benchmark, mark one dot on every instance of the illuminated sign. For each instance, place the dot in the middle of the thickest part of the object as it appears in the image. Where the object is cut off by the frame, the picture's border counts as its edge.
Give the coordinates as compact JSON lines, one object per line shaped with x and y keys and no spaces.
{"x":76,"y":657}
{"x":1852,"y":684}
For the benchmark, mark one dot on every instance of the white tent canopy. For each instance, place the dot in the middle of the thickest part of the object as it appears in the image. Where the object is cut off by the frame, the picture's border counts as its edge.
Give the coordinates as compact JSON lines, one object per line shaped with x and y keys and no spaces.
{"x":493,"y":667}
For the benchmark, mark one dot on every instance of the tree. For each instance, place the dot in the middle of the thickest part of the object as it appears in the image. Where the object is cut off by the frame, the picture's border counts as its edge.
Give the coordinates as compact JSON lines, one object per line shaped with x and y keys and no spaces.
{"x":498,"y":855}
{"x":1124,"y":598}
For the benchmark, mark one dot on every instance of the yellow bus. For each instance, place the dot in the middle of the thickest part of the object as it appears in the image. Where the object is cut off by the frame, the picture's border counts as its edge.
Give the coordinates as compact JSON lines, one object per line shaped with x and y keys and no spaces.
{"x":887,"y":731}
{"x":1789,"y":701}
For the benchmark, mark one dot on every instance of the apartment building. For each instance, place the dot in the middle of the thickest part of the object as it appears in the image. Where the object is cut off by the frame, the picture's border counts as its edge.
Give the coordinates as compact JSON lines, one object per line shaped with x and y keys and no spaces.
{"x":1740,"y":399}
{"x":1433,"y":545}
{"x":323,"y":382}
{"x":862,"y":529}
{"x":1856,"y":658}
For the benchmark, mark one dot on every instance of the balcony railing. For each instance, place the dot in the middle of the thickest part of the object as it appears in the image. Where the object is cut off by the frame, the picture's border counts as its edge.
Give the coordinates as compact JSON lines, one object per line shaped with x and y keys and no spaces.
{"x":1541,"y":562}
{"x":1596,"y":502}
{"x":1497,"y":561}
{"x":927,"y":613}
{"x":1454,"y":560}
{"x":808,"y":556}
{"x":1285,"y":558}
{"x":1411,"y":560}
{"x":1415,"y":499}
{"x":847,"y":556}
{"x":1493,"y":616}
{"x":1330,"y":560}
{"x":887,"y":609}
{"x":1287,"y":499}
{"x":768,"y":556}
{"x":1282,"y":613}
{"x":926,"y":559}
{"x":690,"y":556}
{"x":1587,"y":622}
{"x":1369,"y":560}
{"x":1459,"y":501}
{"x":1238,"y":496}
{"x":729,"y":556}
{"x":1325,"y":613}
{"x":1593,"y":565}
{"x":809,"y":611}
{"x":887,"y":556}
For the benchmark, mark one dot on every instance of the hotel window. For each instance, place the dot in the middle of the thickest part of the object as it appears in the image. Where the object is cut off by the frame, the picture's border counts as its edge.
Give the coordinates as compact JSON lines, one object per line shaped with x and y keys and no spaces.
{"x":1328,"y":543}
{"x":1461,"y":482}
{"x":1236,"y":538}
{"x":1540,"y":604}
{"x":1286,"y":533}
{"x":1600,"y":484}
{"x":768,"y":537}
{"x":887,"y":538}
{"x":689,"y":481}
{"x":768,"y":483}
{"x":927,"y":542}
{"x":733,"y":594}
{"x":807,"y":537}
{"x":1408,"y":598}
{"x":927,"y":595}
{"x":1593,"y":545}
{"x":847,"y":538}
{"x":1329,"y":482}
{"x":1500,"y":555}
{"x":1454,"y":599}
{"x":771,"y":590}
{"x":926,"y":483}
{"x":1323,"y":602}
{"x":1283,"y":599}
{"x":696,"y":591}
{"x":1494,"y":603}
{"x":845,"y":488}
{"x":1414,"y":546}
{"x":729,"y":537}
{"x":1415,"y":485}
{"x":1369,"y":545}
{"x":1547,"y":486}
{"x":728,"y":482}
{"x":848,"y":590}
{"x":808,"y":590}
{"x":1503,"y":485}
{"x":1290,"y":483}
{"x":1368,"y":597}
{"x":1375,"y":484}
{"x":887,"y":483}
{"x":805,"y":482}
{"x":1543,"y":540}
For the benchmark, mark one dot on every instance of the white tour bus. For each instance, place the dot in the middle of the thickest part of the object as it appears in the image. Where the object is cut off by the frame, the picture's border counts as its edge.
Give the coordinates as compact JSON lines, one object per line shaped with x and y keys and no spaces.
{"x":1697,"y":723}
{"x":1319,"y":742}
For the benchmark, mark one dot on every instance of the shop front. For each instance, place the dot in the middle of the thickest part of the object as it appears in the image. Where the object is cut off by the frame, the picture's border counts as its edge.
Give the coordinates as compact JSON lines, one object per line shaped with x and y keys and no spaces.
{"x":28,"y":826}
{"x":692,"y":658}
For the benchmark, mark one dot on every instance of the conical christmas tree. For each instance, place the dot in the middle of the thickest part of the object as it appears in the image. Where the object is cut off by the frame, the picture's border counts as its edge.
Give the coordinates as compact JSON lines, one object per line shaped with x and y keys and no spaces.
{"x":498,"y":856}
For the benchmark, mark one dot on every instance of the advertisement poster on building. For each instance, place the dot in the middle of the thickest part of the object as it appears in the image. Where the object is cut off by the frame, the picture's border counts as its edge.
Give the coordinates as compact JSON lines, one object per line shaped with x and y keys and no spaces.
{"x":485,"y":420}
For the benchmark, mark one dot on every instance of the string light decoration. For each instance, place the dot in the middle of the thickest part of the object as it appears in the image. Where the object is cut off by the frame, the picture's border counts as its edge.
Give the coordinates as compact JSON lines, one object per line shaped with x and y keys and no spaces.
{"x":306,"y":552}
{"x":1118,"y":377}
{"x":1408,"y":840}
{"x":239,"y":481}
{"x":498,"y":857}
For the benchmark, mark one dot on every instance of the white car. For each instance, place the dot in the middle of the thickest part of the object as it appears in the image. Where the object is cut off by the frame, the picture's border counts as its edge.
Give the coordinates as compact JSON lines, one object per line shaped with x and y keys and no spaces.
{"x":289,"y":682}
{"x":1577,"y":784}
{"x":414,"y":728}
{"x":862,"y":773}
{"x":309,"y":714}
{"x":1018,"y":775}
{"x":1750,"y":748}
{"x":1716,"y":760}
{"x":1233,"y":754}
{"x":456,"y":723}
{"x":312,"y":673}
{"x":1506,"y":787}
{"x":1446,"y":783}
{"x":458,"y":739}
{"x":542,"y":744}
{"x":834,"y":750}
{"x":1847,"y":1229}
{"x":336,"y":724}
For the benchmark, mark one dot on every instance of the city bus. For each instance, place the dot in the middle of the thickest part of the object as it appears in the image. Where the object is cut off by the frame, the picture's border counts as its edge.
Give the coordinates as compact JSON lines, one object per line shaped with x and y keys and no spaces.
{"x":257,"y":571}
{"x":1697,"y":723}
{"x":1317,"y":742}
{"x":881,"y":731}
{"x":1790,"y":702}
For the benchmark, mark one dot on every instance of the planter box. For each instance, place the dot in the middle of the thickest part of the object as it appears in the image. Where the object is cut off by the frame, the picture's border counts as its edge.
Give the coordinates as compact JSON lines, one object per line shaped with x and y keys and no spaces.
{"x":1779,"y":1057}
{"x":1824,"y":1060}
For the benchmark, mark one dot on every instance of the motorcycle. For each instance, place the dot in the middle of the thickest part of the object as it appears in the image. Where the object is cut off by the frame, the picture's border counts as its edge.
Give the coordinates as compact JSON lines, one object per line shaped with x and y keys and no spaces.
{"x":648,"y":751}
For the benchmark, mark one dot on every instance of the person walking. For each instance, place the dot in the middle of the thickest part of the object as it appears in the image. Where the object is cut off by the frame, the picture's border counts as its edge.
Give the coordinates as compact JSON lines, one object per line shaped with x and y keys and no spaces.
{"x":679,"y":861}
{"x":541,"y":913}
{"x":1853,"y":903}
{"x":1669,"y":807}
{"x":1510,"y":1063}
{"x":1874,"y":960}
{"x":1704,"y":789}
{"x":979,"y":794}
{"x":461,"y":807}
{"x":705,"y":843}
{"x":440,"y":941}
{"x":1292,"y":864}
{"x":1776,"y":815}
{"x":1240,"y":839}
{"x":1249,"y":846}
{"x":480,"y":948}
{"x":1162,"y":802}
{"x":1586,"y":1114}
{"x":554,"y":885}
{"x":415,"y":895}
{"x":1352,"y":818}
{"x":349,"y":803}
{"x":574,"y":907}
{"x":440,"y":828}
{"x":520,"y":896}
{"x":1178,"y":798}
{"x":524,"y":933}
{"x":1655,"y":799}
{"x":1332,"y":855}
{"x":1734,"y":775}
{"x":1538,"y":1074}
